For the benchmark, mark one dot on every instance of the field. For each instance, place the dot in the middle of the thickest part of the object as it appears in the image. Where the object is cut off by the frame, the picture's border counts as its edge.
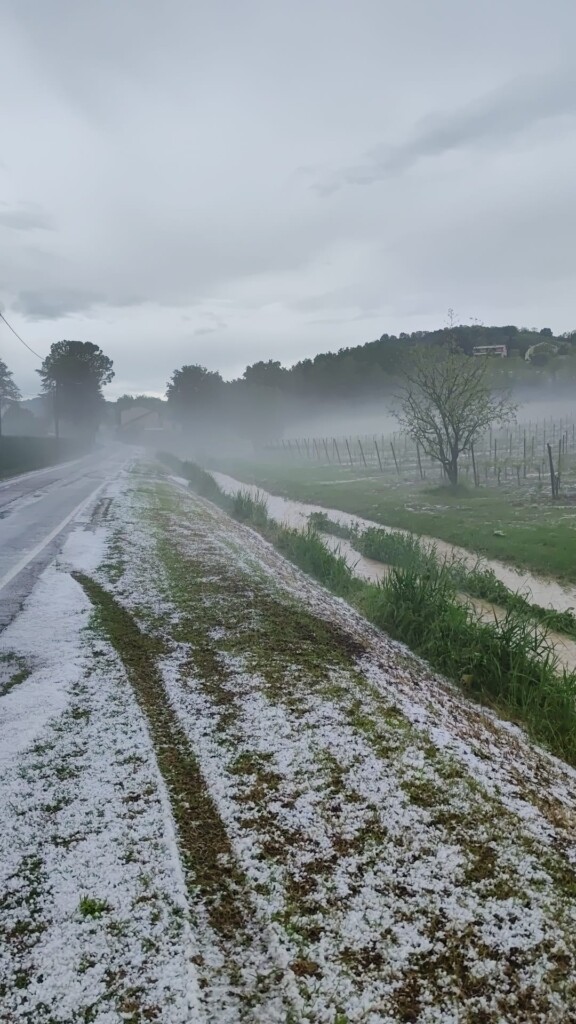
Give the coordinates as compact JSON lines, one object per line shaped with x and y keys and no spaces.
{"x":521,"y":453}
{"x":246,"y":804}
{"x":522,"y":526}
{"x":239,"y":800}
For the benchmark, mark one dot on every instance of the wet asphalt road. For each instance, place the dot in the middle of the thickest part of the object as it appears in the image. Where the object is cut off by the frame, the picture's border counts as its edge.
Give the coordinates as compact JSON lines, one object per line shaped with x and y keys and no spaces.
{"x":37,"y":510}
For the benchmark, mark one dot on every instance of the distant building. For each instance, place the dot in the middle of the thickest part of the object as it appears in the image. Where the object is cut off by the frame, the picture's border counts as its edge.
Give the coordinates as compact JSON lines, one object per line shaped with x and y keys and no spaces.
{"x":490,"y":350}
{"x":138,"y":416}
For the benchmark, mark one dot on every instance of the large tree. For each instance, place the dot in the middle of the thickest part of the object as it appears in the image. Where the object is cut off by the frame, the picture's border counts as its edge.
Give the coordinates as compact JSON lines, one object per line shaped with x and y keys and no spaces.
{"x":9,"y":392}
{"x":75,"y":373}
{"x":447,"y":401}
{"x":191,"y":392}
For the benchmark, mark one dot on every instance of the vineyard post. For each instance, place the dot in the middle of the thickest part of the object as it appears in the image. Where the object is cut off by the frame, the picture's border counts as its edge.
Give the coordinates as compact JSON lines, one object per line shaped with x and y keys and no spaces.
{"x":378,"y":455}
{"x":349,"y":452}
{"x":337,"y":450}
{"x":326,"y":448}
{"x":553,"y":483}
{"x":362,"y":453}
{"x":394,"y":457}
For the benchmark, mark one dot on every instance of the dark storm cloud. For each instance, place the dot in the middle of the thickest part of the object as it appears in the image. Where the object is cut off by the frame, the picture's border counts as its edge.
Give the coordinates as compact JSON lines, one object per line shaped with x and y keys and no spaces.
{"x":54,"y":303}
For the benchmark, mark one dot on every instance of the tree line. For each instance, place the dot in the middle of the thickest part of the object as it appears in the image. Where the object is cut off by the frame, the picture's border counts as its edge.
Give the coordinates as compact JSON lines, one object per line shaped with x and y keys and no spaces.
{"x":262,"y":401}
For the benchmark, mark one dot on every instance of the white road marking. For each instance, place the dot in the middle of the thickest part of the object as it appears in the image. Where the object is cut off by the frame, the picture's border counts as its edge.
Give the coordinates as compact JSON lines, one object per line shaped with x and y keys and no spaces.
{"x":31,"y":555}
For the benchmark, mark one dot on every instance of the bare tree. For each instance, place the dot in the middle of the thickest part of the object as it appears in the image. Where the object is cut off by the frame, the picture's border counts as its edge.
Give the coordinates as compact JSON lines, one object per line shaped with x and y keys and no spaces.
{"x":447,"y":401}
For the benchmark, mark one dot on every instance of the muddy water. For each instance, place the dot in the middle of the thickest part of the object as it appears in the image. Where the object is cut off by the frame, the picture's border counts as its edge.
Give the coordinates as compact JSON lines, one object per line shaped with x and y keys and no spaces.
{"x":547,"y":593}
{"x":544,"y":592}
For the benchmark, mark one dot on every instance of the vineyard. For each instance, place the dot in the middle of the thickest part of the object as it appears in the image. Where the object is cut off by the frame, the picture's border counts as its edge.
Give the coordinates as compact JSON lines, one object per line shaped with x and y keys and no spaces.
{"x":539,"y":454}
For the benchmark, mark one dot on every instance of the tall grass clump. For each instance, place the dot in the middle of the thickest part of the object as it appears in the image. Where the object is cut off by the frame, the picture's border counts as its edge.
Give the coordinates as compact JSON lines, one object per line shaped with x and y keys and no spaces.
{"x":480,"y":581}
{"x":310,"y":554}
{"x":320,"y":521}
{"x":396,"y":549}
{"x":250,"y":509}
{"x":508,"y":664}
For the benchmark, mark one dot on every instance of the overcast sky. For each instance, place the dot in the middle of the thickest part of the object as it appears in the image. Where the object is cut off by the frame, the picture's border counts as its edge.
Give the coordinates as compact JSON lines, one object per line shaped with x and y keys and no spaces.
{"x":220,"y":181}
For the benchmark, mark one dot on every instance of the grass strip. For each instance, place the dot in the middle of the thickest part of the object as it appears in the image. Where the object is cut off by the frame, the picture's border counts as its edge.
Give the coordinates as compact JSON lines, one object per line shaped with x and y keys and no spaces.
{"x":509,"y":665}
{"x":208,"y":859}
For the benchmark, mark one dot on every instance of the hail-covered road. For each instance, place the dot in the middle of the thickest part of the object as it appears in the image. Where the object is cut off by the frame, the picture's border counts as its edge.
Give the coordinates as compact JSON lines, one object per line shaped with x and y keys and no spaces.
{"x":36,"y":509}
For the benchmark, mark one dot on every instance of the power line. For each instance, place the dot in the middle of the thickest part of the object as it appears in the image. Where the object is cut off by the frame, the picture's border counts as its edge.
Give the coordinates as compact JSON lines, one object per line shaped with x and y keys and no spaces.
{"x":2,"y":317}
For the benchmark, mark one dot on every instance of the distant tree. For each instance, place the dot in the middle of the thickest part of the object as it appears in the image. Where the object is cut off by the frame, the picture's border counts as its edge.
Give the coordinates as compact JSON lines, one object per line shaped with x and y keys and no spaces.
{"x":269,"y":374}
{"x":20,"y":421}
{"x":148,"y":401}
{"x":192,"y":391}
{"x":542,"y":354}
{"x":75,"y":372}
{"x":9,"y":392}
{"x":446,"y":402}
{"x":546,"y":332}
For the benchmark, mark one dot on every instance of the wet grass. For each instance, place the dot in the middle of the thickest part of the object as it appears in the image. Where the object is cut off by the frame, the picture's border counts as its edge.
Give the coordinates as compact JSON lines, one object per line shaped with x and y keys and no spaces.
{"x":509,"y":665}
{"x":523,"y":528}
{"x":225,"y":607}
{"x":13,"y":671}
{"x":292,"y":653}
{"x":408,"y":552}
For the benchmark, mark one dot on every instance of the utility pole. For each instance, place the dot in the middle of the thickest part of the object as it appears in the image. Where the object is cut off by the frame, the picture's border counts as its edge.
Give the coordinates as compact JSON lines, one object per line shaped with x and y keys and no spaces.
{"x":56,"y":410}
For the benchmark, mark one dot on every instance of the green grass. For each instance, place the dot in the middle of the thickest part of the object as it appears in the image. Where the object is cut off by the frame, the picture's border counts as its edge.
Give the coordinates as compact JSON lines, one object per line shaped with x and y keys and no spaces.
{"x":509,"y":665}
{"x":395,"y":549}
{"x":406,"y":551}
{"x":91,"y":907}
{"x":246,"y":508}
{"x":320,"y":521}
{"x":483,"y":583}
{"x":203,"y":483}
{"x":538,"y":534}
